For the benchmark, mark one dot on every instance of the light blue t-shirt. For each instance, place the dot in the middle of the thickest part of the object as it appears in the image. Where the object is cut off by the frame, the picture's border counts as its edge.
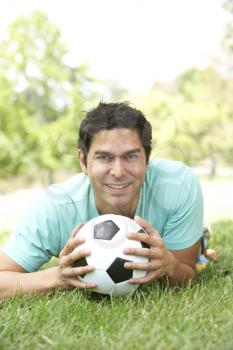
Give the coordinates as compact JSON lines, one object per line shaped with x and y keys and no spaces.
{"x":170,"y":199}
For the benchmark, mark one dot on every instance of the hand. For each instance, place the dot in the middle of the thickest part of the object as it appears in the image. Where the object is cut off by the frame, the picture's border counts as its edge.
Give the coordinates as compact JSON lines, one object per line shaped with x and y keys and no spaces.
{"x":68,"y":274}
{"x":161,"y":261}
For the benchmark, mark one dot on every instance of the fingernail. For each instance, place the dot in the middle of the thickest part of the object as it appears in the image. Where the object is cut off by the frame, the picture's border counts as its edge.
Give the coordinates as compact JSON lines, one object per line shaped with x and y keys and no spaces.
{"x":126,"y":250}
{"x":137,"y":217}
{"x":127,"y":265}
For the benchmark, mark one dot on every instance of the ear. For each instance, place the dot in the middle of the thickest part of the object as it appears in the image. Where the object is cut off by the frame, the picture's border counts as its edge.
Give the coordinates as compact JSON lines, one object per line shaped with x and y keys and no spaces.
{"x":81,"y":159}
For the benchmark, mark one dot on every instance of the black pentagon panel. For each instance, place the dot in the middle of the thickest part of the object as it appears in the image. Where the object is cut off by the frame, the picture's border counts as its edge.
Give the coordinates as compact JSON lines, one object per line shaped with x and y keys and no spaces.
{"x":105,"y":230}
{"x":144,"y":245}
{"x":117,"y":272}
{"x":80,"y":263}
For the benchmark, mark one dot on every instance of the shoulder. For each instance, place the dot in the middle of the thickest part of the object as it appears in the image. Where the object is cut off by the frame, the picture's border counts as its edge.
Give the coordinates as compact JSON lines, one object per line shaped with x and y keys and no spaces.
{"x":73,"y":189}
{"x":73,"y":198}
{"x":167,"y":170}
{"x":176,"y":194}
{"x":172,"y":182}
{"x":54,"y":197}
{"x":54,"y":205}
{"x":163,"y":171}
{"x":47,"y":224}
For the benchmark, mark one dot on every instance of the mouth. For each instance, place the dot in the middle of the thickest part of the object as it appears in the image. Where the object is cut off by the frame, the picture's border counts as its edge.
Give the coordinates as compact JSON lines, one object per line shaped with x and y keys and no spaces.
{"x":118,"y":187}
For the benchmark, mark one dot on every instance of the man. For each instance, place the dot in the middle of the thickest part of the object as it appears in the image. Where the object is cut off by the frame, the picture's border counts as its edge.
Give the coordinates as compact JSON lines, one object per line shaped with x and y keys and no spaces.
{"x":118,"y":177}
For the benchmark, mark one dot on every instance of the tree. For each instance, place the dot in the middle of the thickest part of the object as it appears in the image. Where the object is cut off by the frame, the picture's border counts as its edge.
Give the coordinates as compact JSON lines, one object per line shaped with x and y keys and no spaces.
{"x":227,"y":44}
{"x":44,"y":96}
{"x":202,"y":115}
{"x":157,"y":107}
{"x":189,"y":117}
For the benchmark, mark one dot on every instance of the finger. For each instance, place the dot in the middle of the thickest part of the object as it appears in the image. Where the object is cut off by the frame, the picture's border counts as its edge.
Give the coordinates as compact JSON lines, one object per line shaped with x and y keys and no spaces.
{"x":76,"y":271}
{"x":150,"y":266}
{"x":146,"y":226}
{"x":150,"y":277}
{"x":69,"y":259}
{"x":71,"y":245}
{"x":152,"y":240}
{"x":75,"y":230}
{"x":140,"y":236}
{"x":154,"y":253}
{"x":75,"y":282}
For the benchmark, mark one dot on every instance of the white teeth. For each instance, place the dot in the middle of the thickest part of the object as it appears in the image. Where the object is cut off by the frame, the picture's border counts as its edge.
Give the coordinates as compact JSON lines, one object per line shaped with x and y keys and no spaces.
{"x":117,"y":187}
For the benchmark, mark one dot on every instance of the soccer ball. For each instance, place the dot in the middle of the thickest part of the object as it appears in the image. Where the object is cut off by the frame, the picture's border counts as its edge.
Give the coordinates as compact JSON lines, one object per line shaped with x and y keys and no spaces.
{"x":106,"y":238}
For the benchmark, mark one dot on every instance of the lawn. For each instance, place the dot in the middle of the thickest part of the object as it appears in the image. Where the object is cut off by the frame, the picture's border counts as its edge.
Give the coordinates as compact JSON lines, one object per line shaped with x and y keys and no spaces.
{"x":199,"y":316}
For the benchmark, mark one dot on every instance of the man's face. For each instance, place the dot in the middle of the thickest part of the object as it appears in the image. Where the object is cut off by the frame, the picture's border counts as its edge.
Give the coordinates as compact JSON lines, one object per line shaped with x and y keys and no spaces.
{"x":116,"y":165}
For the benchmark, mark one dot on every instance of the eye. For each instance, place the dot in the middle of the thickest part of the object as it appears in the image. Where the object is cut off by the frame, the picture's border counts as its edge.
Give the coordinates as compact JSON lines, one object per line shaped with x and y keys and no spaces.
{"x":132,"y":156}
{"x":104,"y":157}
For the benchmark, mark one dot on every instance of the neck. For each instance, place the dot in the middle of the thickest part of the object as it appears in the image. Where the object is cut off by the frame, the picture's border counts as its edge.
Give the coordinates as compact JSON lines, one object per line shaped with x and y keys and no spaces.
{"x":125,"y":210}
{"x":117,"y":211}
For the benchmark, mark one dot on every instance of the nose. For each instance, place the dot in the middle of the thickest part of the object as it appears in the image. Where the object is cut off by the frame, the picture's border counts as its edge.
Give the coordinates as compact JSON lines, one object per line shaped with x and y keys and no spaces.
{"x":117,"y":168}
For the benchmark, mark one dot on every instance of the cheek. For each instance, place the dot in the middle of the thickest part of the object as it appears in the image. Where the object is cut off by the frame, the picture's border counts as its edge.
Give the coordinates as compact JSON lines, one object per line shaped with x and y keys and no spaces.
{"x":137,"y":172}
{"x":96,"y":172}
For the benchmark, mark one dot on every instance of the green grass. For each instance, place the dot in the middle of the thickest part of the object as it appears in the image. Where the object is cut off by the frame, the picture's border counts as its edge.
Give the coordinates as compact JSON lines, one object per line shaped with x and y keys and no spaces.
{"x":199,"y":316}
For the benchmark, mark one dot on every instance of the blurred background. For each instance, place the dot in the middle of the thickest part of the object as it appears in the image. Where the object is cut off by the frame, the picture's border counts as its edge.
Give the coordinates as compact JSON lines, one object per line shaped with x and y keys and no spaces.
{"x":171,"y":59}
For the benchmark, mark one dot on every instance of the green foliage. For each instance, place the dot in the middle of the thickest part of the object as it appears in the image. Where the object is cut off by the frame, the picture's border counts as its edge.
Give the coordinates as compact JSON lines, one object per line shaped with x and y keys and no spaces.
{"x":36,"y":56}
{"x":201,"y":114}
{"x":155,"y":317}
{"x":41,"y":98}
{"x":157,"y":108}
{"x":201,"y":85}
{"x":192,"y":117}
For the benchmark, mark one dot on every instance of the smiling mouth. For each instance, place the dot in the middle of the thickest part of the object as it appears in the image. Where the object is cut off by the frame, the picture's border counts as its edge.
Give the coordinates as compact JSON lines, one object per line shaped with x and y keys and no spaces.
{"x":117,"y":187}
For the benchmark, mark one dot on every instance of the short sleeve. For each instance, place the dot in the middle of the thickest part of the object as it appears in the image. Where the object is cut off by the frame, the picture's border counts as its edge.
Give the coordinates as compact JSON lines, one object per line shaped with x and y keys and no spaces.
{"x":37,"y":238}
{"x":185,"y":222}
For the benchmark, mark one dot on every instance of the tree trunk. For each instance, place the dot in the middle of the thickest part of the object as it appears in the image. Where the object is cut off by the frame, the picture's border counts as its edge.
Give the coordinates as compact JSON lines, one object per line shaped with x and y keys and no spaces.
{"x":213,"y":167}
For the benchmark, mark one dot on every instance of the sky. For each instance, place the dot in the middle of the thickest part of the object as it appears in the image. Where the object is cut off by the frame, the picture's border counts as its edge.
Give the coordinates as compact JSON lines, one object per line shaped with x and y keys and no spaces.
{"x":134,"y":42}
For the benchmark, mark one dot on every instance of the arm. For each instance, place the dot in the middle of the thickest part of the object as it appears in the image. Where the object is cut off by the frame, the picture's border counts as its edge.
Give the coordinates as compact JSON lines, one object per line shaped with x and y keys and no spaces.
{"x":184,"y":267}
{"x":13,"y":278}
{"x":178,"y":266}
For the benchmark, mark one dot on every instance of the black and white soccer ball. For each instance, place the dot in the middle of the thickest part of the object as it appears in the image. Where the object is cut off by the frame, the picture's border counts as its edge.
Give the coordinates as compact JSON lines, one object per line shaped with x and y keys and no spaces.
{"x":106,"y":237}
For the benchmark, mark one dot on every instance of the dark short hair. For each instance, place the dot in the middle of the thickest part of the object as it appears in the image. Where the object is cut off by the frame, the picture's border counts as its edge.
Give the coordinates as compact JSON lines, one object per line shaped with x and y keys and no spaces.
{"x":108,"y":116}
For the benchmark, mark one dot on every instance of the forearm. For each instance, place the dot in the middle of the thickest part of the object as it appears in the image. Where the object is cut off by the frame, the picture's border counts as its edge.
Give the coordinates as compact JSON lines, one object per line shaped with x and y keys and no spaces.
{"x":180,"y":273}
{"x":39,"y":282}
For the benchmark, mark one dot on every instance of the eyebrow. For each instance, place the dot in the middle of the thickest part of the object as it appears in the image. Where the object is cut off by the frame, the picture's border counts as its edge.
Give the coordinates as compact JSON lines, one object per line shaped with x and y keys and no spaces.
{"x":132,"y":151}
{"x":135,"y":150}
